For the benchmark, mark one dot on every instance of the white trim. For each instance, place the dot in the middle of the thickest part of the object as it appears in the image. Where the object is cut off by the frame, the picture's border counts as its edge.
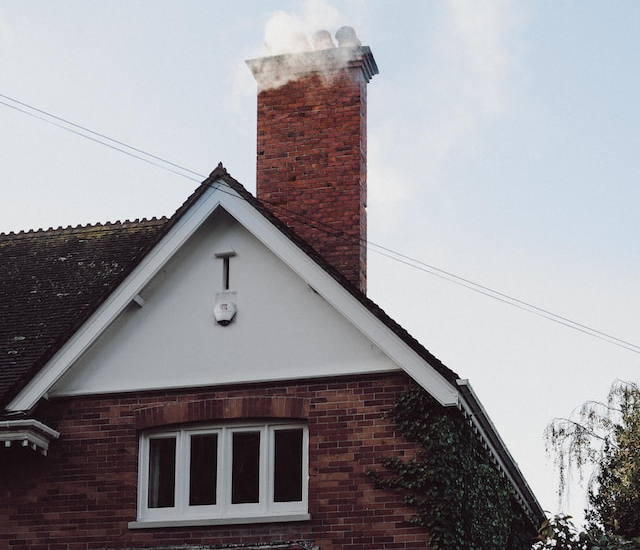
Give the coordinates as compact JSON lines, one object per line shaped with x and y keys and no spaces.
{"x":475,"y":412}
{"x":336,"y":295}
{"x":30,"y":423}
{"x":321,"y":282}
{"x":116,"y":303}
{"x":223,"y":510}
{"x":275,"y":518}
{"x":29,"y":433}
{"x":268,"y":377}
{"x":139,"y":300}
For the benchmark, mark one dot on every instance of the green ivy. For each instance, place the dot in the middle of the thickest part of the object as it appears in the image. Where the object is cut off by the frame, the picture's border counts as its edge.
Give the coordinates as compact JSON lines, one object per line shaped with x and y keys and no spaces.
{"x":458,"y":495}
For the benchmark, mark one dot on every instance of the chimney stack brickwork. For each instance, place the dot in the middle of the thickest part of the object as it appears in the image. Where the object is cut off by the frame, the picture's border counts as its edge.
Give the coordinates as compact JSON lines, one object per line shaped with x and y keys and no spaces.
{"x":312,"y":150}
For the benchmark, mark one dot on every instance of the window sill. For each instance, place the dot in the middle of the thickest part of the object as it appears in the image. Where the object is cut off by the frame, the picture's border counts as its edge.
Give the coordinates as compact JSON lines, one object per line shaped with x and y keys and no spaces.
{"x":194,"y":522}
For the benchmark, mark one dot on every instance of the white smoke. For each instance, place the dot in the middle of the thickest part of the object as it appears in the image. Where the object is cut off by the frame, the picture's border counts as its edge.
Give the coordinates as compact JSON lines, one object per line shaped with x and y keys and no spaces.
{"x":287,"y":33}
{"x":288,"y":36}
{"x":6,"y":34}
{"x":473,"y":51}
{"x":480,"y":33}
{"x":7,"y":43}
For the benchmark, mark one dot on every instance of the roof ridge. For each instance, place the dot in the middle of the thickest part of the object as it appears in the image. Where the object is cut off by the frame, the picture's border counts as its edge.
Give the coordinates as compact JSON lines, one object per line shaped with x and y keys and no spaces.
{"x":80,"y":228}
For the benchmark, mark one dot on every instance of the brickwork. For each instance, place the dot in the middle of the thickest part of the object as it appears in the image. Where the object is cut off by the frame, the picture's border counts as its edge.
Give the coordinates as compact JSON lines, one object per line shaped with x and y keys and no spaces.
{"x":311,"y":162}
{"x":83,"y":495}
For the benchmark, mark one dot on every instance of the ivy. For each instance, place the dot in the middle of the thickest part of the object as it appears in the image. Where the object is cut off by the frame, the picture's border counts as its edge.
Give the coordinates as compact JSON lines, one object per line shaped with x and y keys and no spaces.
{"x":458,"y":495}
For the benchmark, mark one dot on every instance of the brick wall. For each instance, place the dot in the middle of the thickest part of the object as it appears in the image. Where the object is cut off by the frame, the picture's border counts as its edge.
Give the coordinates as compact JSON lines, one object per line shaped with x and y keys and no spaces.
{"x":311,"y":158}
{"x":83,"y":494}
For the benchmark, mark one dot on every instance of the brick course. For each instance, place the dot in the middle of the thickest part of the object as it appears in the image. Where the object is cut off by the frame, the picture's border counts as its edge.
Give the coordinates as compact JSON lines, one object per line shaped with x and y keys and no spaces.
{"x":83,"y":494}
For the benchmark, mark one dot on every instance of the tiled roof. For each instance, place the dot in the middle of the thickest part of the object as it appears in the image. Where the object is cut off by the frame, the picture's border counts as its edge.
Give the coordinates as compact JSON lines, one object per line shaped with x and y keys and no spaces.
{"x":51,"y":281}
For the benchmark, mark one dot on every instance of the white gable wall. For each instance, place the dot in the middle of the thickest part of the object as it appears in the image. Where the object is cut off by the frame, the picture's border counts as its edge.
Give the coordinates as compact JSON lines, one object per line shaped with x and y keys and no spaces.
{"x":282,"y":330}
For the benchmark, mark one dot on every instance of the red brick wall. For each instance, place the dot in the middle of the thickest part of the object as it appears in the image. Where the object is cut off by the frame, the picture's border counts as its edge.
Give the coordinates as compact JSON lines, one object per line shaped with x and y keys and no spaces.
{"x":83,"y":494}
{"x":311,"y":161}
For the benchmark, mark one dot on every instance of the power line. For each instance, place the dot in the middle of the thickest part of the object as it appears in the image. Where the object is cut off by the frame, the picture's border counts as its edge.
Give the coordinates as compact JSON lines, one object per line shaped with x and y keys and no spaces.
{"x":119,"y":145}
{"x":461,"y":281}
{"x":318,"y":225}
{"x":510,"y":300}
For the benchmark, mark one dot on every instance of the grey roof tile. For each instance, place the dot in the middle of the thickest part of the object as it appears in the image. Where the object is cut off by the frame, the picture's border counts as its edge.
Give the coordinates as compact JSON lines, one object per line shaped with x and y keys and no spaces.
{"x":50,"y":281}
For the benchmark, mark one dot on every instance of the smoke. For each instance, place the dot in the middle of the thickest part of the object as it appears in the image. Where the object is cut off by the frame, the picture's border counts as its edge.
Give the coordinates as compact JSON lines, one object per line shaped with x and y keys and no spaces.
{"x":288,"y":37}
{"x":480,"y":33}
{"x":6,"y":34}
{"x":473,"y":55}
{"x":7,"y":40}
{"x":287,"y":33}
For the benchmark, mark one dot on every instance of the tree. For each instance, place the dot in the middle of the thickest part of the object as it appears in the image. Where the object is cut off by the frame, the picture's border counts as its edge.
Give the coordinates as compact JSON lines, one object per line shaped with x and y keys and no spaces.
{"x":559,"y":533}
{"x":605,"y":438}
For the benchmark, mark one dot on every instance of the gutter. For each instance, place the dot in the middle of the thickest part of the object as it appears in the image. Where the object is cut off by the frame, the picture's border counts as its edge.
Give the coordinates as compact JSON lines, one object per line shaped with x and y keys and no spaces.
{"x":478,"y":418}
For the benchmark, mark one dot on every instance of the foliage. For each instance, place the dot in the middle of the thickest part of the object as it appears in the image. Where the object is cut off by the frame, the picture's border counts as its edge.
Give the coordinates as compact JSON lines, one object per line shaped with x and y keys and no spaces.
{"x":458,"y":494}
{"x":606,"y":438}
{"x":559,"y":533}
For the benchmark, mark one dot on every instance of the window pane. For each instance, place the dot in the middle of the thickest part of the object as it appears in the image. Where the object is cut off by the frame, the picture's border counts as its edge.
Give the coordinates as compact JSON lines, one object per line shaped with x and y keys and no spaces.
{"x":162,"y":472}
{"x":288,"y":466}
{"x":245,"y":475}
{"x":204,"y":468}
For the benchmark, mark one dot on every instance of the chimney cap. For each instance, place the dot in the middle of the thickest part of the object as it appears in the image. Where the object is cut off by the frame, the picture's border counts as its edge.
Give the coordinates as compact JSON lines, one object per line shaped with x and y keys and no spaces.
{"x":275,"y":71}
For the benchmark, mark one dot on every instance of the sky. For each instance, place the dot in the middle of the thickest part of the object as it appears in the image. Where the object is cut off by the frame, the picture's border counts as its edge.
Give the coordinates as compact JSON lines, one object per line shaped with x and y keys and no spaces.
{"x":503,"y":150}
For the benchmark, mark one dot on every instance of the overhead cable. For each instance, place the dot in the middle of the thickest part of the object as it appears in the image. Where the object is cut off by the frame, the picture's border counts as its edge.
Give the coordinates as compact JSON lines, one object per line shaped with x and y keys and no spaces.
{"x":319,"y":225}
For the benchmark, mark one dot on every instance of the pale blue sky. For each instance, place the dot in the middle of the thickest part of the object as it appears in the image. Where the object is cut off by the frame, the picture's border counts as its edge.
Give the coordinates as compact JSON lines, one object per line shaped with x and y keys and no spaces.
{"x":503,"y":148}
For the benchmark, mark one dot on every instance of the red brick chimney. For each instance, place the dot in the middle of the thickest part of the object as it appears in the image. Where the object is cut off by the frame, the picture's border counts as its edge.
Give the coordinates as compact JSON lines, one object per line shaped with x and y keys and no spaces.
{"x":312,"y":146}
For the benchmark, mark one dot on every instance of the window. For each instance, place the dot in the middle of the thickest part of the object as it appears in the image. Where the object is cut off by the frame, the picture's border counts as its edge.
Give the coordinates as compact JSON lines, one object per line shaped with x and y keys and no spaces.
{"x":232,"y":472}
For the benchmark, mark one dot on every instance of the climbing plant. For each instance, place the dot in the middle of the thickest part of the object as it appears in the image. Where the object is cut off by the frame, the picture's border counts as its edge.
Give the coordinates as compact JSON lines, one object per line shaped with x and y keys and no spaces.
{"x":458,"y":495}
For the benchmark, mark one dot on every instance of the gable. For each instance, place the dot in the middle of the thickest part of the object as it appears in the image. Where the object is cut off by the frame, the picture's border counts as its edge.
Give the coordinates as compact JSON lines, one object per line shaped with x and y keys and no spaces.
{"x":222,"y":192}
{"x":283,"y":329}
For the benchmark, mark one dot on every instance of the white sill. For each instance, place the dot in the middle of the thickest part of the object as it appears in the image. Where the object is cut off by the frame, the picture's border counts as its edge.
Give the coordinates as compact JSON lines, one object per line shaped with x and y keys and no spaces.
{"x":194,"y":522}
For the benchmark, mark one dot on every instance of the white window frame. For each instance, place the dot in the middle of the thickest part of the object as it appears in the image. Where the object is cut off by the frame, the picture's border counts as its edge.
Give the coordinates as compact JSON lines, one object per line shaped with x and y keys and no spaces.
{"x":223,"y":511}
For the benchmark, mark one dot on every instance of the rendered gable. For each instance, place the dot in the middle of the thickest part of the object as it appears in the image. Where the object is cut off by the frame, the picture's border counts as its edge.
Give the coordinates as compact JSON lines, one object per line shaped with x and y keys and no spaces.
{"x":283,"y":329}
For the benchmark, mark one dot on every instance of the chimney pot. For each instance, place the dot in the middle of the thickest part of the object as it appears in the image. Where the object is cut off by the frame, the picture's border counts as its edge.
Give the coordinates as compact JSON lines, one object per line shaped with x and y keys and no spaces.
{"x":347,"y":38}
{"x":300,"y":43}
{"x":322,"y":40}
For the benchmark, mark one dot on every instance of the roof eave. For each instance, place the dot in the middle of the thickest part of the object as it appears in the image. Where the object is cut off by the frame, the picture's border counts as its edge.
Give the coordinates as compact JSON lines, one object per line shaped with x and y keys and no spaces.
{"x":475,"y":412}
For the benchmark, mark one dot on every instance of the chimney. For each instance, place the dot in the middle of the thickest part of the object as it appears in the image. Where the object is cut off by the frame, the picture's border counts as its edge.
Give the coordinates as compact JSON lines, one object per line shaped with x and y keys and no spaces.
{"x":312,"y":146}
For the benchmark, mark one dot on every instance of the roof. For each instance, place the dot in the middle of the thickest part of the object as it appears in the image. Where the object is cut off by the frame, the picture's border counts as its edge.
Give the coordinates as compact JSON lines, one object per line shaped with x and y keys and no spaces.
{"x":51,"y":280}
